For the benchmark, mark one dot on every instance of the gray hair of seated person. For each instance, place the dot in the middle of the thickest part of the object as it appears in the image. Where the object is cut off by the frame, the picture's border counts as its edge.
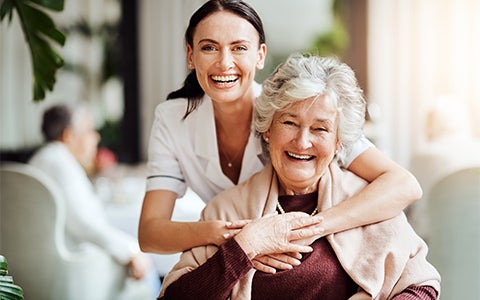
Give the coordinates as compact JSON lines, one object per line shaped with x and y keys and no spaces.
{"x":303,"y":76}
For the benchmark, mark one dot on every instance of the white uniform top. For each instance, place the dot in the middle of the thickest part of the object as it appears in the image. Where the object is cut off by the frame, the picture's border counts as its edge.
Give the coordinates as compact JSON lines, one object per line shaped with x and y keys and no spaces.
{"x":184,"y":153}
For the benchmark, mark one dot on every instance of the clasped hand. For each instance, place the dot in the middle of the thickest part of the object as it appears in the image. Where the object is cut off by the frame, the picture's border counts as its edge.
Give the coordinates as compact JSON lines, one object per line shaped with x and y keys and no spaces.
{"x":277,"y":241}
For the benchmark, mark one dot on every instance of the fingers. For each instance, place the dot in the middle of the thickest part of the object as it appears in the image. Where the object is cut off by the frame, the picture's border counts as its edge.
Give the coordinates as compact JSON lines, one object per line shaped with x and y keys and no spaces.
{"x":284,"y":261}
{"x":237,"y":224}
{"x":273,"y":262}
{"x":262,"y":267}
{"x":298,"y":248}
{"x":270,"y":263}
{"x":299,"y":220}
{"x":230,"y":234}
{"x":315,"y":232}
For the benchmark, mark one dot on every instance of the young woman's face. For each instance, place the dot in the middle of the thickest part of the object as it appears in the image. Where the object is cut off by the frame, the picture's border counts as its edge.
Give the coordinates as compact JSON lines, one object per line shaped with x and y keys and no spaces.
{"x":225,"y":55}
{"x":303,"y":141}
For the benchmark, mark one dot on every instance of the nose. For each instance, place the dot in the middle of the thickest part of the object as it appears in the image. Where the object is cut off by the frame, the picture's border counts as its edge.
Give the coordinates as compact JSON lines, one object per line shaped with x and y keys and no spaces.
{"x":303,"y":139}
{"x":226,"y":60}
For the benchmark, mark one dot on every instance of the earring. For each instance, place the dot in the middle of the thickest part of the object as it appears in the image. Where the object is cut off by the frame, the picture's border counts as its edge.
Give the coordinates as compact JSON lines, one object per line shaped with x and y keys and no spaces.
{"x":267,"y":139}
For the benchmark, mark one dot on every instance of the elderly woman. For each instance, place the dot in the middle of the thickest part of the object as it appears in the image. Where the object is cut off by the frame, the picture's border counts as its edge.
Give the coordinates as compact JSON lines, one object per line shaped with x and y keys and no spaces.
{"x":310,"y":107}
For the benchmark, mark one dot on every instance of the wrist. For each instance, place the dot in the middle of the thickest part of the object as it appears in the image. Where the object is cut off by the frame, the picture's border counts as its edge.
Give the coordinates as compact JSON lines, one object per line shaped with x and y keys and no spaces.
{"x":246,"y":246}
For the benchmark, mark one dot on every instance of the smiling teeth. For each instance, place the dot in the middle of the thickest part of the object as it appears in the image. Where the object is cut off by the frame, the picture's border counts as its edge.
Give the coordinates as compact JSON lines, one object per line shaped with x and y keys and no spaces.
{"x":224,"y":78}
{"x":304,"y":157}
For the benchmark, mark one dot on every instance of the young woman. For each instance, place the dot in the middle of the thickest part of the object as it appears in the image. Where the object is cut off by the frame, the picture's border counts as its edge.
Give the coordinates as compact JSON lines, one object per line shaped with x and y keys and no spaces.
{"x":205,"y":140}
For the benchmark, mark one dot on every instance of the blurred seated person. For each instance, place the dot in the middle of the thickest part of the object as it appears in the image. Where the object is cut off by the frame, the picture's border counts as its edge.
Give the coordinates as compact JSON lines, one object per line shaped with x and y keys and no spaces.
{"x":450,"y":146}
{"x":70,"y":150}
{"x":309,"y":108}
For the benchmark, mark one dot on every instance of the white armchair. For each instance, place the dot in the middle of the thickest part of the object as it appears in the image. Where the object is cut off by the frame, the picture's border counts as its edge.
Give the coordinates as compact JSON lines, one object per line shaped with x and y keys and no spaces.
{"x":32,"y":224}
{"x":454,"y":242}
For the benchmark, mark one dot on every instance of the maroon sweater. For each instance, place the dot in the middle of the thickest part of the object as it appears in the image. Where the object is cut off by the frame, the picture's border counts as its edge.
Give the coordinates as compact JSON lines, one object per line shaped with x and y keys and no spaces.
{"x":319,"y":276}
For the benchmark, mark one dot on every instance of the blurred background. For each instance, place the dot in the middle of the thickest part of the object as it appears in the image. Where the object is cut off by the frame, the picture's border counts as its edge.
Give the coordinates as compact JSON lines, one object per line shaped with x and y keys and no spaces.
{"x":417,"y":60}
{"x":410,"y":57}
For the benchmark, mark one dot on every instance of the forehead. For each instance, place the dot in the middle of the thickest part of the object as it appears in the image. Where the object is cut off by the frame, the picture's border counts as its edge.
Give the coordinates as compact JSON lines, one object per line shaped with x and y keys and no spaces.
{"x":225,"y":26}
{"x":317,"y":107}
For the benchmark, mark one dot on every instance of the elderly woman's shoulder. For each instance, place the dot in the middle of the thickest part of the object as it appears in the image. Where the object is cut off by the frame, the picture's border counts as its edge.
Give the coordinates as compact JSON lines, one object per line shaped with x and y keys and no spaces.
{"x":346,"y":181}
{"x":242,"y":199}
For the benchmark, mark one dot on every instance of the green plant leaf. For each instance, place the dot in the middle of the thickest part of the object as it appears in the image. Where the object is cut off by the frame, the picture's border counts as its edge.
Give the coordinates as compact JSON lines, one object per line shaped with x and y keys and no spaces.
{"x":50,"y":4}
{"x":6,"y":8}
{"x":40,"y":32}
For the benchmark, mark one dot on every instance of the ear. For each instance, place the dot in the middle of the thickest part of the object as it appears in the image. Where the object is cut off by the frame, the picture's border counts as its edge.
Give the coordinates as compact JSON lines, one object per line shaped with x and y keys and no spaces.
{"x":262,"y":54}
{"x":266,"y":136}
{"x":67,"y":135}
{"x":338,"y":146}
{"x":190,"y":62}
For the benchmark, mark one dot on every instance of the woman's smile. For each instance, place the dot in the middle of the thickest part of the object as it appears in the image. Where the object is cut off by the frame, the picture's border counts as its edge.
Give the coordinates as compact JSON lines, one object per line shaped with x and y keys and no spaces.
{"x":301,"y":157}
{"x":225,"y":81}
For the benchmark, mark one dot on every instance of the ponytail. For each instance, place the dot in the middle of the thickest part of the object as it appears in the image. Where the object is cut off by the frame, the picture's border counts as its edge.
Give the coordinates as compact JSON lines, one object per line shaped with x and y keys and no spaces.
{"x":191,"y":90}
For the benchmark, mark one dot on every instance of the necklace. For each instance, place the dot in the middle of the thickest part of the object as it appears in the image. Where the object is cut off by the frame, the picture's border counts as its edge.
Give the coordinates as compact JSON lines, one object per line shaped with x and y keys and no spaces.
{"x":229,"y":161}
{"x":280,"y":208}
{"x":221,"y":129}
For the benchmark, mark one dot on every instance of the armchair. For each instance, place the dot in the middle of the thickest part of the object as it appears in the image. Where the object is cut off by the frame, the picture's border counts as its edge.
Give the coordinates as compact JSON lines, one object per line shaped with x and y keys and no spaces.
{"x":454,"y":242}
{"x":32,"y":225}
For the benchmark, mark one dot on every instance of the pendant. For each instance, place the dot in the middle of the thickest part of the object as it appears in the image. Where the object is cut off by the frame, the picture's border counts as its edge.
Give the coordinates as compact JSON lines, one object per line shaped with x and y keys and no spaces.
{"x":229,"y":164}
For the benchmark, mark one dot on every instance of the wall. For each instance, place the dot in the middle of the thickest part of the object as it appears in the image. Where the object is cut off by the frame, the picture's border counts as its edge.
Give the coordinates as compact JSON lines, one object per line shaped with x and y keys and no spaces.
{"x":419,"y":53}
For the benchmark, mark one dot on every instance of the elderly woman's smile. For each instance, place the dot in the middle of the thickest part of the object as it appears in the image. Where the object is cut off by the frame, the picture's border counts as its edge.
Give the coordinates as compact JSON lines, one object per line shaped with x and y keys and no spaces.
{"x":300,"y":156}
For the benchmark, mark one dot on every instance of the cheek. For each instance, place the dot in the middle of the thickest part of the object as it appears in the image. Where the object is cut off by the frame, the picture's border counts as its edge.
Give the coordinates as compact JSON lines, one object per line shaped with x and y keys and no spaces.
{"x":326,"y":149}
{"x":277,"y":145}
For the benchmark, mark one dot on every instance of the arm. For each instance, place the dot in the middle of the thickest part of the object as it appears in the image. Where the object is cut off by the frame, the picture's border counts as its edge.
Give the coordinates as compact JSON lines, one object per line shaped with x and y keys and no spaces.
{"x":391,"y":189}
{"x":215,"y":278}
{"x":414,"y":292}
{"x":158,"y":234}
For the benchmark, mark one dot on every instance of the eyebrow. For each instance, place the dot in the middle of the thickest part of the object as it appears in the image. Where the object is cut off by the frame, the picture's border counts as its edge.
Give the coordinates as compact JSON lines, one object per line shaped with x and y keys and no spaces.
{"x":215,"y":42}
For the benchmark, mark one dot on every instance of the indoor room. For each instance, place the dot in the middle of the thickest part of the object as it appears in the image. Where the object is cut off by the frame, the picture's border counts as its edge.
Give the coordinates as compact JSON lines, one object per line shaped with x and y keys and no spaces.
{"x":416,"y":62}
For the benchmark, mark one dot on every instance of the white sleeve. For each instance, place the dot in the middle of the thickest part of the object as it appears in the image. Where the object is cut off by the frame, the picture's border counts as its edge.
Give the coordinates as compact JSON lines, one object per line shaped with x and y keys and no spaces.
{"x":348,"y":154}
{"x":164,"y":172}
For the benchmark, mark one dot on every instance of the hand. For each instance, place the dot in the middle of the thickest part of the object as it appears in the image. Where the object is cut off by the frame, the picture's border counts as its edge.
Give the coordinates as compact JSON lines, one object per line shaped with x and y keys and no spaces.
{"x":273,"y":262}
{"x":139,"y":265}
{"x":222,"y":231}
{"x":280,"y":234}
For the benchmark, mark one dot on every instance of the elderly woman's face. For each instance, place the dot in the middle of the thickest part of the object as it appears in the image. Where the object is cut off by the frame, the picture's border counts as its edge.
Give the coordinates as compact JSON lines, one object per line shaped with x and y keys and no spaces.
{"x":303,"y":141}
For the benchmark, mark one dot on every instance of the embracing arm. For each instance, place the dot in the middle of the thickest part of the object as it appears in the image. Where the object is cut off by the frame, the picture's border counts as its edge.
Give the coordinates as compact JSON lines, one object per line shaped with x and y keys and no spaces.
{"x":391,"y":189}
{"x":157,"y":233}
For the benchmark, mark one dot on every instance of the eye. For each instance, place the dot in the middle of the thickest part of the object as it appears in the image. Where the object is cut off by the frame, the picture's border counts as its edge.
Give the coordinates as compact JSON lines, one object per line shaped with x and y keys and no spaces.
{"x":320,"y":129}
{"x":240,"y":48}
{"x":208,"y":48}
{"x":288,"y":123}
